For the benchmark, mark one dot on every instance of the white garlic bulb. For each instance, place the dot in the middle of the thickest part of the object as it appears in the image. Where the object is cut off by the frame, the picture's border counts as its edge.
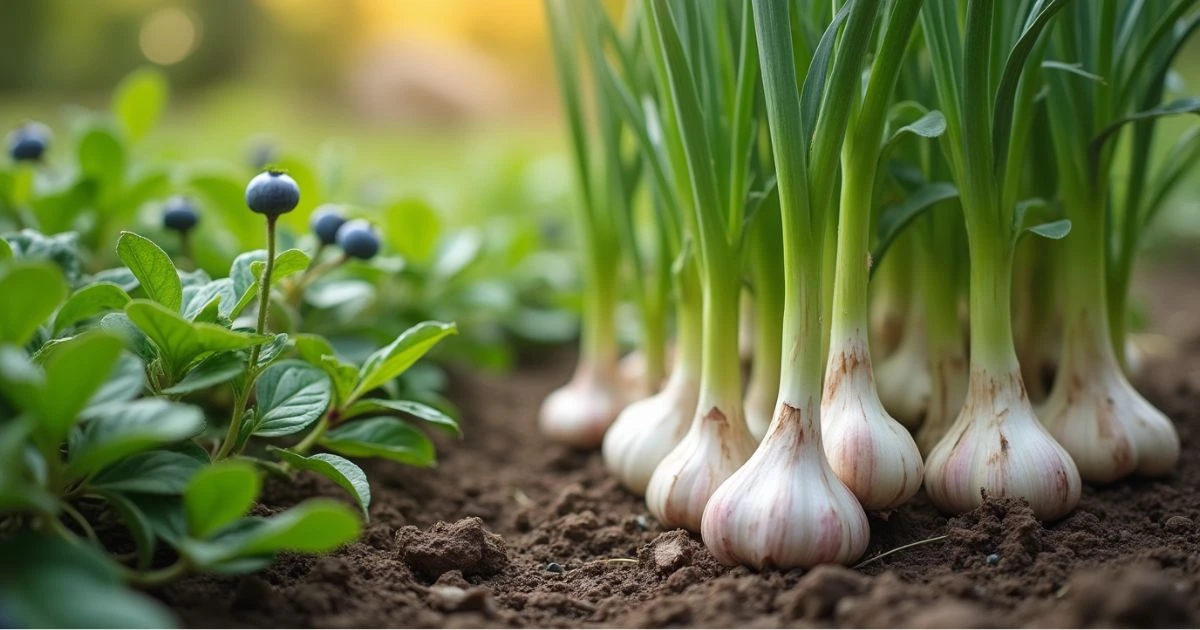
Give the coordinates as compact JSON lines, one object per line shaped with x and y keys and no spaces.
{"x":869,"y":451}
{"x":786,"y":508}
{"x":1109,"y":429}
{"x":948,"y":379}
{"x":717,"y":444}
{"x":578,"y":413}
{"x":760,"y":404}
{"x":902,"y":379}
{"x":997,"y":445}
{"x":648,"y":429}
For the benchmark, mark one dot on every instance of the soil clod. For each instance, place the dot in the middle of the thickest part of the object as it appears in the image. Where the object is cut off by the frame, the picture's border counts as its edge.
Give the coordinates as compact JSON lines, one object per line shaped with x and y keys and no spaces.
{"x":464,"y":545}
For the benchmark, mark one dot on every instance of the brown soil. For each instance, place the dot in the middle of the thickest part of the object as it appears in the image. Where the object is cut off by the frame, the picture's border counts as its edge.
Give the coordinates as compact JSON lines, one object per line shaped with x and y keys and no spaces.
{"x":512,"y":531}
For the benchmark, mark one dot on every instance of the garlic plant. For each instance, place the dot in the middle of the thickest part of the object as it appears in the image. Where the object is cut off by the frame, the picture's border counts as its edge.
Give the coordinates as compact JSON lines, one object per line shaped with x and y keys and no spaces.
{"x":868,"y":450}
{"x":903,"y":376}
{"x":578,"y":413}
{"x":1106,"y":425}
{"x":996,"y":445}
{"x":786,"y":507}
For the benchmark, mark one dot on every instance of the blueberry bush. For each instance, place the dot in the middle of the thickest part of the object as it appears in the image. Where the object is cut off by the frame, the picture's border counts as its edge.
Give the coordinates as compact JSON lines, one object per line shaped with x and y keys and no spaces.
{"x":154,"y":378}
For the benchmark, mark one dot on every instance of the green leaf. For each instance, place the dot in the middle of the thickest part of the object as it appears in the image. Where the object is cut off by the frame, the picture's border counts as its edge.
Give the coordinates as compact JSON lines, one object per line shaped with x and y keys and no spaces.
{"x":198,"y":300}
{"x":393,"y":359}
{"x":270,"y":352}
{"x":214,"y":370}
{"x":377,"y":406}
{"x":41,"y":288}
{"x":289,"y":262}
{"x":50,"y":583}
{"x":1073,"y":68}
{"x":102,"y":158}
{"x":412,"y":228}
{"x":139,"y":101}
{"x":387,"y":438}
{"x":1053,"y":230}
{"x":153,"y":472}
{"x":136,"y":341}
{"x":75,"y":370}
{"x":893,"y":220}
{"x":1189,"y":105}
{"x":138,"y":525}
{"x":312,"y":348}
{"x":340,"y":470}
{"x":219,"y":495}
{"x":116,"y":432}
{"x":153,"y":269}
{"x":181,"y":342}
{"x":5,"y":250}
{"x":89,"y":302}
{"x":931,"y":125}
{"x":291,"y":395}
{"x":315,"y":526}
{"x":126,"y":382}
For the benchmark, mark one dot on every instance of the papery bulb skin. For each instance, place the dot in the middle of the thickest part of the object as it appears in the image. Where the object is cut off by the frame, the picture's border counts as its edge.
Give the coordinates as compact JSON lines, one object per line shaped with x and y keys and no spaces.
{"x":998,"y":446}
{"x":1109,"y":429}
{"x":715,"y":446}
{"x":903,"y":380}
{"x":760,"y":404}
{"x":949,"y":390}
{"x":786,"y":508}
{"x":870,"y":452}
{"x":646,"y":431}
{"x":578,"y":413}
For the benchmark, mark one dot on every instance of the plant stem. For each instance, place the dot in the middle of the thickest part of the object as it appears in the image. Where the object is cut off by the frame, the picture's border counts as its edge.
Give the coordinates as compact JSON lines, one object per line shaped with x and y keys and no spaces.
{"x":720,"y":376}
{"x":185,"y":247}
{"x":849,"y":318}
{"x":314,"y":435}
{"x":992,"y":346}
{"x":264,"y":302}
{"x":157,"y":577}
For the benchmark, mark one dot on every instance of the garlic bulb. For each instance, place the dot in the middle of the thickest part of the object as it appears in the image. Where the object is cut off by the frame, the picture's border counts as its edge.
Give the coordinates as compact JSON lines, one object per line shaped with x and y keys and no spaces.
{"x":948,"y":372}
{"x":631,"y":375}
{"x":786,"y":508}
{"x":716,"y":445}
{"x":903,"y":378}
{"x":578,"y":413}
{"x":760,"y":404}
{"x":997,"y":445}
{"x":1109,"y":429}
{"x":869,"y":451}
{"x":648,"y":429}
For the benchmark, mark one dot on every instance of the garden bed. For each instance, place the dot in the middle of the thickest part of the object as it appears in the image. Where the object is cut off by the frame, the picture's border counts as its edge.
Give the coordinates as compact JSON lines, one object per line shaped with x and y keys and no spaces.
{"x":557,"y":542}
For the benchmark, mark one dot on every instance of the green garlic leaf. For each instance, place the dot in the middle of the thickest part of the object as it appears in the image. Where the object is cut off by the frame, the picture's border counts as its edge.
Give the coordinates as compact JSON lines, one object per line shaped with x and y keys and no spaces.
{"x":50,"y":583}
{"x":291,"y":395}
{"x":219,"y":495}
{"x":89,"y":302}
{"x":139,"y":101}
{"x":118,"y":431}
{"x":393,"y":359}
{"x":153,"y":269}
{"x":378,"y":406}
{"x":340,"y":470}
{"x":386,"y":438}
{"x":1053,"y":230}
{"x":153,"y":472}
{"x":41,"y":287}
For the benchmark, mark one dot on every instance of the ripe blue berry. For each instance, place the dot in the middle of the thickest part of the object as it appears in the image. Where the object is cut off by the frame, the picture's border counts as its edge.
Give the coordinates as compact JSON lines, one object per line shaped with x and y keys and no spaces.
{"x":326,"y":222}
{"x":179,"y":214}
{"x":29,"y":142}
{"x":358,"y":240}
{"x":272,"y":193}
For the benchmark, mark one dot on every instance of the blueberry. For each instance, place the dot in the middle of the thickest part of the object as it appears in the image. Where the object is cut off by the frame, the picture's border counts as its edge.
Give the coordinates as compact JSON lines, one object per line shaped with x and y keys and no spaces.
{"x":272,"y":193}
{"x":358,"y":239}
{"x":29,"y":142}
{"x":179,"y":214}
{"x":326,"y":222}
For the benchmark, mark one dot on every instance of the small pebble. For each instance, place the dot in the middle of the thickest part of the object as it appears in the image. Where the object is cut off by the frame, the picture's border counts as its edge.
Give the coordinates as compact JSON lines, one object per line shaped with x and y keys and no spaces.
{"x":642,"y":522}
{"x":992,"y":559}
{"x":1179,"y":523}
{"x":554,"y":567}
